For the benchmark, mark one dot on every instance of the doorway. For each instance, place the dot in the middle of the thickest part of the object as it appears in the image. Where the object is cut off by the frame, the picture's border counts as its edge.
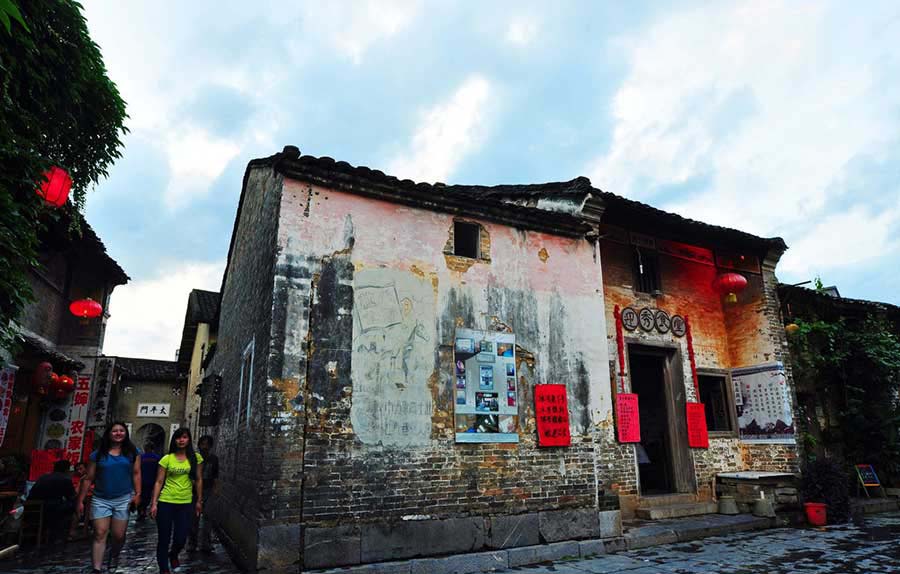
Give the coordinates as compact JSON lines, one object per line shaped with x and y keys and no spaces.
{"x":664,"y":460}
{"x":150,"y":435}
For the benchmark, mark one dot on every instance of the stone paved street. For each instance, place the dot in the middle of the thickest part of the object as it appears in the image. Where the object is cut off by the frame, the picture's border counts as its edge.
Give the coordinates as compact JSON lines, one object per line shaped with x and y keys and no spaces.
{"x":138,"y":556}
{"x":868,"y":548}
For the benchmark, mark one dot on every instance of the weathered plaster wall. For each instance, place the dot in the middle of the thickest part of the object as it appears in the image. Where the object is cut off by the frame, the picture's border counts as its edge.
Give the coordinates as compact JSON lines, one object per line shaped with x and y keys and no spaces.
{"x":367,"y":301}
{"x":724,"y":337}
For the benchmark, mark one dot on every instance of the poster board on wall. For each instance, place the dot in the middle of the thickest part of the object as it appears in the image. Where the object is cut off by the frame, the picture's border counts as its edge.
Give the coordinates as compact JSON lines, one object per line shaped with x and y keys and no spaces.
{"x":7,"y":385}
{"x":763,"y":402}
{"x":485,"y":387}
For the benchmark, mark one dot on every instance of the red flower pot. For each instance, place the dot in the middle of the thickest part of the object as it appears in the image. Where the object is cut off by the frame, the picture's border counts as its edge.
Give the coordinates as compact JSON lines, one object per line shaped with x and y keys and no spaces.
{"x":816,"y":513}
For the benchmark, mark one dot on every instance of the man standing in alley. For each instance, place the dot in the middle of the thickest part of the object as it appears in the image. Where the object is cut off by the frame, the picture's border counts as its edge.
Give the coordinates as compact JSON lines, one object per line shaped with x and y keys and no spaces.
{"x":201,"y":523}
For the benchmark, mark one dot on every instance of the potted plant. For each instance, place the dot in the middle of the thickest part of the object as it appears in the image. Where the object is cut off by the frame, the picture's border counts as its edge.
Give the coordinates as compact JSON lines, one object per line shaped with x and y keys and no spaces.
{"x":825,"y":485}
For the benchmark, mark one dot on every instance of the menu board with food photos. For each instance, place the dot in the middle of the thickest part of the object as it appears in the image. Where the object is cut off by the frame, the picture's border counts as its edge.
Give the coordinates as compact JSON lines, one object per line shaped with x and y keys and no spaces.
{"x":486,"y":387}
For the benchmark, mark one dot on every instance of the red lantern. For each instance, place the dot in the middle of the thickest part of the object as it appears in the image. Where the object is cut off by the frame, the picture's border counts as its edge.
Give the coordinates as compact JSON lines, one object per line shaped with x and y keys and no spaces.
{"x":55,"y":187}
{"x":86,"y":308}
{"x":730,"y":284}
{"x":61,"y":386}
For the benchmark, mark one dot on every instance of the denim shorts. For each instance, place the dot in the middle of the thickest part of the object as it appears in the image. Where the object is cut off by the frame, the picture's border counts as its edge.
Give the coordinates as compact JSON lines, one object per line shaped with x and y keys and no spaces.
{"x":115,"y":507}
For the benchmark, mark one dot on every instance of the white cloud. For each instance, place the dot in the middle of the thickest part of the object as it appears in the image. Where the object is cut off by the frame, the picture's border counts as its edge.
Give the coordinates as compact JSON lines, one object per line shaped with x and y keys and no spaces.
{"x":521,"y":30}
{"x":353,"y":27}
{"x":767,"y":101}
{"x":196,"y":159}
{"x":446,"y":134}
{"x":842,"y":239}
{"x":147,"y":316}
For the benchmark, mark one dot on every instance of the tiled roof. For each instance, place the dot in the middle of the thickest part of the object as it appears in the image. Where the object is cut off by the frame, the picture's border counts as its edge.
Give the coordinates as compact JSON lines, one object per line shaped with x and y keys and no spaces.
{"x":615,"y":209}
{"x":145,"y":369}
{"x":44,"y":349}
{"x":202,"y":307}
{"x":826,"y":300}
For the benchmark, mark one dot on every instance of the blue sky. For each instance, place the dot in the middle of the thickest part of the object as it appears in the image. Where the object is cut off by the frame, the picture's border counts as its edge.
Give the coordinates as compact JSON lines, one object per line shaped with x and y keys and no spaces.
{"x":776,"y":118}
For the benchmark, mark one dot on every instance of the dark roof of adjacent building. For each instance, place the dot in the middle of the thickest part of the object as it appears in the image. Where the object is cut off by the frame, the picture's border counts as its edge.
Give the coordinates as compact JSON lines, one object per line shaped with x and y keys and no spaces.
{"x":44,"y":349}
{"x":150,"y":370}
{"x":84,"y":241}
{"x":202,"y":307}
{"x":827,"y":304}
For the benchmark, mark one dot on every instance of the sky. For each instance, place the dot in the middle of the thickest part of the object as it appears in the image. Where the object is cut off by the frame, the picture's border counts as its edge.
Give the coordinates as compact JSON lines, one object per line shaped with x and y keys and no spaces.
{"x":776,"y":118}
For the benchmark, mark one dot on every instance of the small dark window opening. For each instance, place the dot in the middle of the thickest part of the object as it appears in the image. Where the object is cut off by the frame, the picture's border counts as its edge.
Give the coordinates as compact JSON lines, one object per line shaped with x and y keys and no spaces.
{"x":646,"y":271}
{"x":714,"y":395}
{"x":466,"y":239}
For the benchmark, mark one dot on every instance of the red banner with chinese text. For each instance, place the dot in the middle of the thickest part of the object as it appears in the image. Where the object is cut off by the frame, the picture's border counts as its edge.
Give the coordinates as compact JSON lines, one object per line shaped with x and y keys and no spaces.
{"x":78,"y":419}
{"x":698,"y":436}
{"x":42,"y":462}
{"x":551,"y":407}
{"x":628,"y":419}
{"x":7,"y":384}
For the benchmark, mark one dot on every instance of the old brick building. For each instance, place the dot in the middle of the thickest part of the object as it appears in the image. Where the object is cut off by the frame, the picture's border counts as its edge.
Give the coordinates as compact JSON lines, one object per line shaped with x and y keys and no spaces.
{"x":380,"y":343}
{"x":73,"y":265}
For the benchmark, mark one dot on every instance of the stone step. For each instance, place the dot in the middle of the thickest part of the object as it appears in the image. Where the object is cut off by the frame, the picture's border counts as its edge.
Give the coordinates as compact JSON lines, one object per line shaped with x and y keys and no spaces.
{"x":666,"y":500}
{"x":677,"y":510}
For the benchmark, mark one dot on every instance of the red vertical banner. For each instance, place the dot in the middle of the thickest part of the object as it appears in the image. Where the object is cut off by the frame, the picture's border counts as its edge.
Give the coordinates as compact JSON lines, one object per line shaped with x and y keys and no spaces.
{"x":620,"y":349}
{"x":690,"y":349}
{"x":698,"y":436}
{"x":42,"y":462}
{"x":7,"y":384}
{"x":628,"y":419}
{"x":551,"y":407}
{"x":78,"y":420}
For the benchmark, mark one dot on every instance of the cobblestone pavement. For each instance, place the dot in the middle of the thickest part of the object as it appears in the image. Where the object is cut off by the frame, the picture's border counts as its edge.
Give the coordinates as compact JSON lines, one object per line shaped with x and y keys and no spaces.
{"x":138,"y":556}
{"x":872,"y":547}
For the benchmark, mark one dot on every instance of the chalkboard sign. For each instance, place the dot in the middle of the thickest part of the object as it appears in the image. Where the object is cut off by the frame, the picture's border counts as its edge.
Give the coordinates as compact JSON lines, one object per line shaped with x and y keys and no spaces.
{"x":867,"y":475}
{"x":628,"y":417}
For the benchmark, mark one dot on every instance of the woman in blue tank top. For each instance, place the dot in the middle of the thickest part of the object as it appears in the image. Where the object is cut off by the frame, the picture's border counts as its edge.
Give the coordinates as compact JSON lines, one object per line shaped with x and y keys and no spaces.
{"x":115,"y":471}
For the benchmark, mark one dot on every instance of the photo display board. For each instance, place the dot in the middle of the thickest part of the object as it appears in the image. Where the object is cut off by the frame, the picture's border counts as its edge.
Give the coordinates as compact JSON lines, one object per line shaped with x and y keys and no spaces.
{"x":763,"y":403}
{"x":486,"y":388}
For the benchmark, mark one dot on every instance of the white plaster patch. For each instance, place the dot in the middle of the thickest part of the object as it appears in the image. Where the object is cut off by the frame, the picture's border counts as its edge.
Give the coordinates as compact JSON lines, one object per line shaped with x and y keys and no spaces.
{"x":393,"y":358}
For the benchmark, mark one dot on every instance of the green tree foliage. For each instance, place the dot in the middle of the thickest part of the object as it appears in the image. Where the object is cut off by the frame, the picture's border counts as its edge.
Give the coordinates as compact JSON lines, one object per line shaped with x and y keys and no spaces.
{"x":57,"y":107}
{"x":854,"y":367}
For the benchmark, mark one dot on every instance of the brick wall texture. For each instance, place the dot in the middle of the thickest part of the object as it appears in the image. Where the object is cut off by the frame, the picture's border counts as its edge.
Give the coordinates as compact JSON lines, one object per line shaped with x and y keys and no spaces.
{"x":327,"y":460}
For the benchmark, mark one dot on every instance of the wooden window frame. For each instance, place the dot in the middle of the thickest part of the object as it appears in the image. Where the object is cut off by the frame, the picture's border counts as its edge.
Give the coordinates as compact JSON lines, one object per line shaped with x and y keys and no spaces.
{"x":729,"y":401}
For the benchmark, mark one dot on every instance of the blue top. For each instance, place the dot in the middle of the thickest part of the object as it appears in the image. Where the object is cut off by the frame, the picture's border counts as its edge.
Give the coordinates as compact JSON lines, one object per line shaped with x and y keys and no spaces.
{"x":149,"y":466}
{"x":113,"y":476}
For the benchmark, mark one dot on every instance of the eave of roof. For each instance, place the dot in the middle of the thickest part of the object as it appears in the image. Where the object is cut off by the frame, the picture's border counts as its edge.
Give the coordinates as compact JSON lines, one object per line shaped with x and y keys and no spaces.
{"x":44,"y":349}
{"x":149,"y":370}
{"x":789,"y":293}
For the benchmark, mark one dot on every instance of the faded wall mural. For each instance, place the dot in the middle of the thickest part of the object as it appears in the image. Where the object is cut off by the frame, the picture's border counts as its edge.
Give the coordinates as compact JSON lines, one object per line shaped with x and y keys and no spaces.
{"x":394,"y":342}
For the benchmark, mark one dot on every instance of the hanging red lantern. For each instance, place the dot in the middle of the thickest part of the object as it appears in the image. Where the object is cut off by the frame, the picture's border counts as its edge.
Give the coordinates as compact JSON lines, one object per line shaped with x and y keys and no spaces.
{"x":49,"y":387}
{"x":55,"y":187}
{"x":62,"y":387}
{"x":730,"y":284}
{"x":86,"y":308}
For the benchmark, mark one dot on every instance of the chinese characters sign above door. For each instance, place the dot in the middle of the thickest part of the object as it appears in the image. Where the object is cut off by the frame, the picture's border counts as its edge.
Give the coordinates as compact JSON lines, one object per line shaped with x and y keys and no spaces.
{"x":763,"y":403}
{"x":551,"y":409}
{"x":153,"y":409}
{"x":649,"y":319}
{"x":485,"y":386}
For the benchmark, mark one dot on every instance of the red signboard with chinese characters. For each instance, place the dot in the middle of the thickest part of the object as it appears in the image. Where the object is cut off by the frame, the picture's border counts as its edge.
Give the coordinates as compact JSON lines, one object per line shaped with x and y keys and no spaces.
{"x":7,"y":382}
{"x":551,"y":407}
{"x":698,"y":437}
{"x":42,"y":462}
{"x":628,"y":418}
{"x":78,"y":419}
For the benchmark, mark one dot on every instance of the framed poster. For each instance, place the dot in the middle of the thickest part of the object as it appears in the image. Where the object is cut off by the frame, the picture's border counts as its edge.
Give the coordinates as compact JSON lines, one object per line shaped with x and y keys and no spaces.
{"x":484,"y":382}
{"x":765,"y":413}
